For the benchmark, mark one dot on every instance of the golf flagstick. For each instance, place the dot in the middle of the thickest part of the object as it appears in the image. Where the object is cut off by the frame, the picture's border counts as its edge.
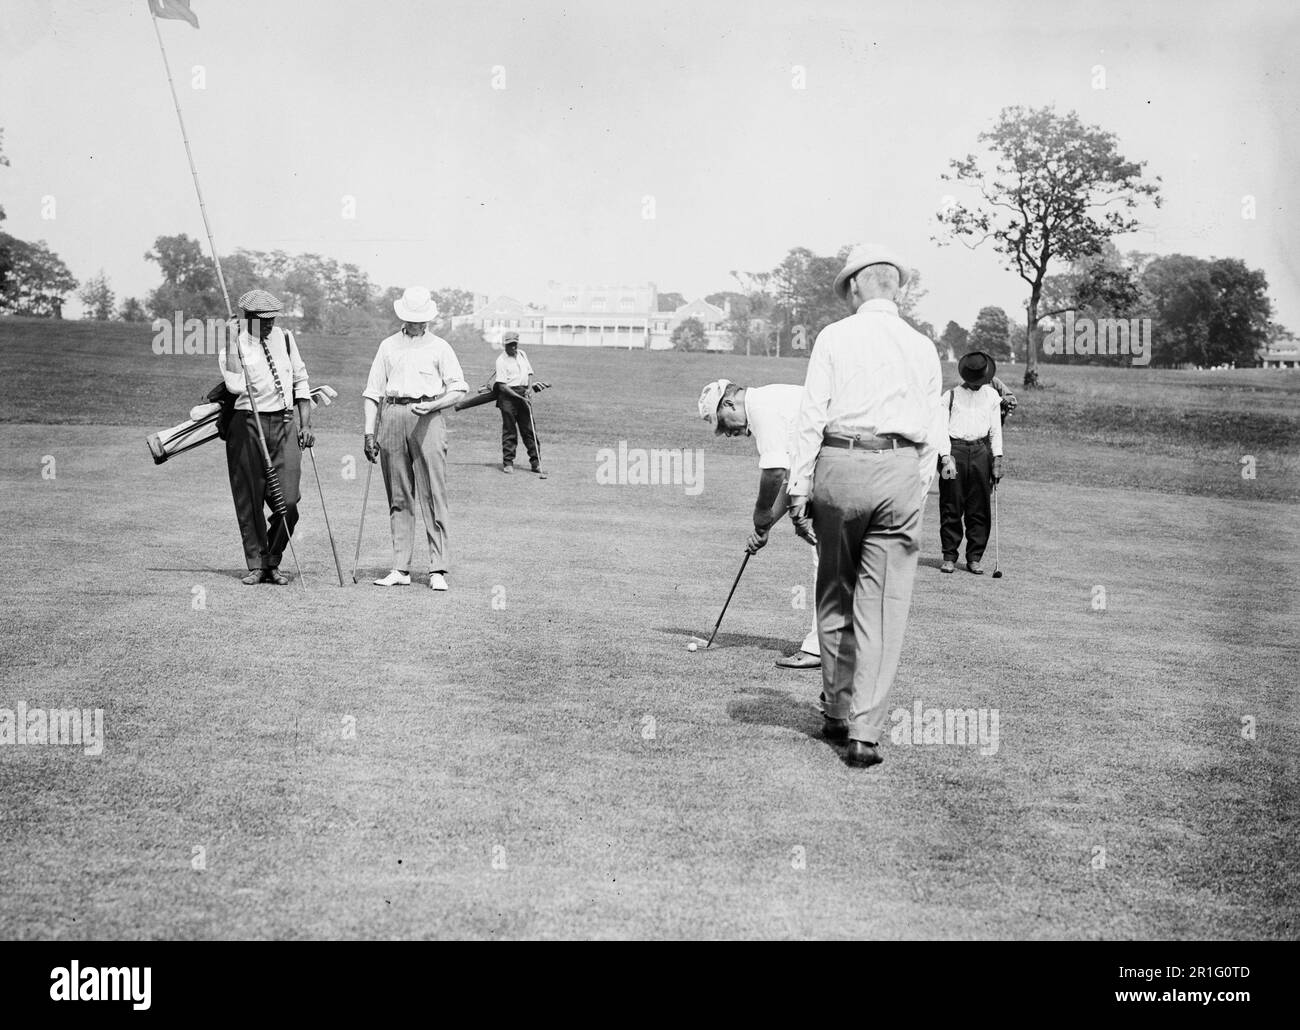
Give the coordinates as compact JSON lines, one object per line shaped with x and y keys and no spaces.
{"x":735,"y":583}
{"x":273,"y":490}
{"x":338,"y":566}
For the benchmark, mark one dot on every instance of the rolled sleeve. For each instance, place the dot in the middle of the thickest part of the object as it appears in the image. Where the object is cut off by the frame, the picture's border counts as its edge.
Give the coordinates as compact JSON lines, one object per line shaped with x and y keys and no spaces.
{"x":235,"y":381}
{"x":378,"y":378}
{"x":995,"y":423}
{"x":813,"y":407}
{"x":301,"y":385}
{"x":453,"y":378}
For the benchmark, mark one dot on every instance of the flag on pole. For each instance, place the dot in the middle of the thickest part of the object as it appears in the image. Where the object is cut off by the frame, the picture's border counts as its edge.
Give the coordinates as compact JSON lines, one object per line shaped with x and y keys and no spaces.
{"x":178,"y":9}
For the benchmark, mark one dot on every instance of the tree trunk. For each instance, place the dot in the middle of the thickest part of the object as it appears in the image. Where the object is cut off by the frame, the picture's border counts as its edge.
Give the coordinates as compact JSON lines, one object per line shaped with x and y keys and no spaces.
{"x":1031,"y":337}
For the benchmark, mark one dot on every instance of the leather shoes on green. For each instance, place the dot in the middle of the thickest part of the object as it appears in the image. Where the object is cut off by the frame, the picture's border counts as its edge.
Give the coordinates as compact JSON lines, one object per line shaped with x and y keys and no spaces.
{"x":862,"y":754}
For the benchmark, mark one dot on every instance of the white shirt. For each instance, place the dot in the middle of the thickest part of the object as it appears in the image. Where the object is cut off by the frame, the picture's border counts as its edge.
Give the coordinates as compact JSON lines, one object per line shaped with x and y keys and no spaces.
{"x":869,"y":374}
{"x":975,"y":415}
{"x":772,"y":413}
{"x":419,"y":366}
{"x":513,"y":371}
{"x":251,"y":361}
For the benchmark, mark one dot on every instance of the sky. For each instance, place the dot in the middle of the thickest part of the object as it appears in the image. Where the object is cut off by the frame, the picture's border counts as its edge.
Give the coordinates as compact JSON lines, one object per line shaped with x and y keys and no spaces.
{"x":496,"y":146}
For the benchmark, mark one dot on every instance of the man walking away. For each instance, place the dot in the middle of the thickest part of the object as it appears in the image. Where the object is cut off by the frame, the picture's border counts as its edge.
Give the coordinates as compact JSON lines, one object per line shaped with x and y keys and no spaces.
{"x":870,"y":401}
{"x":415,"y":375}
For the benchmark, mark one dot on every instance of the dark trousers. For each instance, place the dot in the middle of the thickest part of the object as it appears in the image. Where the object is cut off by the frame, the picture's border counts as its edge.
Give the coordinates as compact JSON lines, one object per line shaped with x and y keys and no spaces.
{"x":263,"y":546}
{"x":516,"y":421}
{"x":966,"y":498}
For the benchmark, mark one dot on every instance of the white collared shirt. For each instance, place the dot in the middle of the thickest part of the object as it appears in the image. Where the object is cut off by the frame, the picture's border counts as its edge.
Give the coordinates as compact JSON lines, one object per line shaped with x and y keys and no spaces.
{"x":251,"y":360}
{"x":870,"y":374}
{"x":414,"y":366}
{"x":771,"y":413}
{"x":513,"y":371}
{"x":976,"y":414}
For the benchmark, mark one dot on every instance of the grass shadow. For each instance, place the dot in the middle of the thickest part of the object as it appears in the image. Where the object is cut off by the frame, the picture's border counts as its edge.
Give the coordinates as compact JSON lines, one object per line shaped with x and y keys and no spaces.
{"x":228,"y":573}
{"x":734,"y":639}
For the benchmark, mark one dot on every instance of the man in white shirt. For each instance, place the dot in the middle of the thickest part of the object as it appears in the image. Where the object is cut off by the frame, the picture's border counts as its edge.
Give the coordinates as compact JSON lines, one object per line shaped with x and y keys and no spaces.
{"x":768,"y":414}
{"x":512,"y":381}
{"x":974,"y":440}
{"x":867,"y":420}
{"x":259,"y":357}
{"x":415,"y":376}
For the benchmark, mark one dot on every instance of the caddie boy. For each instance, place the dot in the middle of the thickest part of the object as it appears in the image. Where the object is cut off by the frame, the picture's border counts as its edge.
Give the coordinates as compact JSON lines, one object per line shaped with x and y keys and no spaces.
{"x":263,"y":360}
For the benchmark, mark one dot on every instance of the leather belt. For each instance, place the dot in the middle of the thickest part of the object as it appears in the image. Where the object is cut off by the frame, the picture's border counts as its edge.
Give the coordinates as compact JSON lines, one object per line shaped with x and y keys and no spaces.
{"x":866,"y":443}
{"x":407,"y":400}
{"x":968,"y":443}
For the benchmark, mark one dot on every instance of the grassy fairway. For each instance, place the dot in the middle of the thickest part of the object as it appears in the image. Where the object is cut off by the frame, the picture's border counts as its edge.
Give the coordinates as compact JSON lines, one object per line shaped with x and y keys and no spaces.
{"x":561,"y":766}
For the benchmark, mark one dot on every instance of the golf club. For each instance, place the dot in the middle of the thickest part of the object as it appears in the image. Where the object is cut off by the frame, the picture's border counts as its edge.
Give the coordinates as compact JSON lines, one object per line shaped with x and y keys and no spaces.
{"x":365,"y":499}
{"x":735,"y":583}
{"x":537,"y":439}
{"x":997,"y":552}
{"x":338,"y":566}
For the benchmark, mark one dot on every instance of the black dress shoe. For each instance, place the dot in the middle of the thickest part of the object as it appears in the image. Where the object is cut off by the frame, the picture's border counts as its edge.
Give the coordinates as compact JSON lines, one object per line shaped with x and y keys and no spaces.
{"x":835,"y":730}
{"x":862,"y":754}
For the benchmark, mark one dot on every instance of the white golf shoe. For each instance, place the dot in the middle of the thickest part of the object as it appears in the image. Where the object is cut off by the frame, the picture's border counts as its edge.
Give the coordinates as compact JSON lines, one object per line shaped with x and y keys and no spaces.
{"x":437,"y":581}
{"x":395,"y":579}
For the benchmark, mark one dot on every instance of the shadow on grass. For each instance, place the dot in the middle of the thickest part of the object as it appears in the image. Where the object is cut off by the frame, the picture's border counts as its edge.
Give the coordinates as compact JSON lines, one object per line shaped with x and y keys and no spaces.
{"x":734,"y":640}
{"x":228,"y":573}
{"x":765,"y":706}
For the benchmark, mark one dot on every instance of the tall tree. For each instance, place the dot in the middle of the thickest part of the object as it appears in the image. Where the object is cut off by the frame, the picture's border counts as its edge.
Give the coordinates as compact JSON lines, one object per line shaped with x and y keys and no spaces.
{"x":1206,"y":313}
{"x":689,"y":335}
{"x":953,"y":341}
{"x":38,"y":282}
{"x":189,"y":283}
{"x":132,"y":311}
{"x":1050,"y":188}
{"x":991,"y":332}
{"x":670,"y":301}
{"x":453,"y":301}
{"x":96,"y":295}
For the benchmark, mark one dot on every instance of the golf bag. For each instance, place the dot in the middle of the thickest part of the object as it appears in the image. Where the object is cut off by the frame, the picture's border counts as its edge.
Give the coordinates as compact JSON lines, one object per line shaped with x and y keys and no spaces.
{"x":203,"y":425}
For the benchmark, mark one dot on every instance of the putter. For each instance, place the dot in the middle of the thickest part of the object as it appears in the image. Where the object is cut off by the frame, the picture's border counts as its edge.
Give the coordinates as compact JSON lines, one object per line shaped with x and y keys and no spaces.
{"x":735,"y":583}
{"x":338,"y":566}
{"x":537,"y":440}
{"x":997,"y":552}
{"x":365,"y":497}
{"x":356,"y":558}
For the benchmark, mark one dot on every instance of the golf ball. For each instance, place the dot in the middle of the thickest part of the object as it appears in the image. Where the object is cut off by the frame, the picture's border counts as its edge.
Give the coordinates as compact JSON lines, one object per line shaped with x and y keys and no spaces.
{"x":691,"y":646}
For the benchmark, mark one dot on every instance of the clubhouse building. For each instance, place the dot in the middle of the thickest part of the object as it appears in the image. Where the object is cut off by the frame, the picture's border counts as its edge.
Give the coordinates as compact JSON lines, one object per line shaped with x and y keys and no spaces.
{"x":627,"y":317}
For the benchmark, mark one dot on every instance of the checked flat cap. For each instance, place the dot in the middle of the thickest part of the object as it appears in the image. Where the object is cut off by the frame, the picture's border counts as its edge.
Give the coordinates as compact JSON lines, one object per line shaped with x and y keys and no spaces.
{"x":259,"y":302}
